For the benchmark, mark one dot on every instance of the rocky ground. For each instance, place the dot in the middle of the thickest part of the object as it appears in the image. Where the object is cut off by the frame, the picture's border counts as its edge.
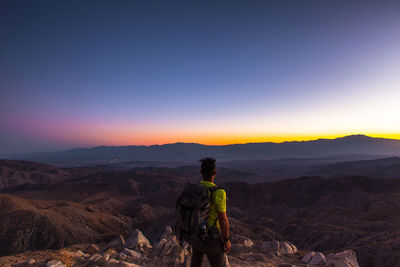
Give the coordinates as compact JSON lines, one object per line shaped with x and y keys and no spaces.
{"x":135,"y":250}
{"x":90,"y":205}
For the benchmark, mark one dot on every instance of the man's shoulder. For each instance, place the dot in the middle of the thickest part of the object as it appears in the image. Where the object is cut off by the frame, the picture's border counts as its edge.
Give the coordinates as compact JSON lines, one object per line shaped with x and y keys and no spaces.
{"x":220,"y":192}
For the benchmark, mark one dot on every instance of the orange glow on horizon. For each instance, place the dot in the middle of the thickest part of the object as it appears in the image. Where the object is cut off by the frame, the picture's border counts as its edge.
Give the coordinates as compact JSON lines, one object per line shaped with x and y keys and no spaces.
{"x":148,"y":140}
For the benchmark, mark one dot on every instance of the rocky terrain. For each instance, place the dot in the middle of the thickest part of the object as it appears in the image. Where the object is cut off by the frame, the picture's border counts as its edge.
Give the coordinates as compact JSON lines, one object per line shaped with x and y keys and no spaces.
{"x":93,"y":205}
{"x":135,"y":250}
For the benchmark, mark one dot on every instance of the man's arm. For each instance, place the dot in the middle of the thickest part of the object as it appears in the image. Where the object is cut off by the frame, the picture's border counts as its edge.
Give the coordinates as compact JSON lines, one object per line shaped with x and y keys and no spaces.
{"x":224,"y":224}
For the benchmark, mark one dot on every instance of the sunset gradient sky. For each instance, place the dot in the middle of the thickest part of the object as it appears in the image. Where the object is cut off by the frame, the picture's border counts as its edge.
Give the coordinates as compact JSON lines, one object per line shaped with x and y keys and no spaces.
{"x":86,"y":73}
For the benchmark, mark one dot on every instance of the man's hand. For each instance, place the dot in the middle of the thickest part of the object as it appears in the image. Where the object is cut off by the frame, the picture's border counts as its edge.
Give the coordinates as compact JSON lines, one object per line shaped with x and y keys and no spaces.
{"x":227,"y":246}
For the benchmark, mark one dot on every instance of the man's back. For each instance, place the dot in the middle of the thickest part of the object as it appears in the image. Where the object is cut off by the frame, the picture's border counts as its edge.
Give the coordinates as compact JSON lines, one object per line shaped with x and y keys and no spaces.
{"x":217,"y":223}
{"x":218,"y":204}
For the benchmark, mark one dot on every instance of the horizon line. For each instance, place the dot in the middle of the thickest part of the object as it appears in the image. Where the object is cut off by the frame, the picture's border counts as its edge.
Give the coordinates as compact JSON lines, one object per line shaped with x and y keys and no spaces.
{"x":230,"y":144}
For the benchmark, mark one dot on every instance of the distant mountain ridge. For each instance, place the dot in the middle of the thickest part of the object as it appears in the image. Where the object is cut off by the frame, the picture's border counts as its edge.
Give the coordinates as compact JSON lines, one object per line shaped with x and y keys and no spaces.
{"x":191,"y":152}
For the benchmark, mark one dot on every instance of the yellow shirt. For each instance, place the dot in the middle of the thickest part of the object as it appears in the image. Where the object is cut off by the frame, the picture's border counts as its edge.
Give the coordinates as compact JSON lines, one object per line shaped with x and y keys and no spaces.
{"x":218,"y":205}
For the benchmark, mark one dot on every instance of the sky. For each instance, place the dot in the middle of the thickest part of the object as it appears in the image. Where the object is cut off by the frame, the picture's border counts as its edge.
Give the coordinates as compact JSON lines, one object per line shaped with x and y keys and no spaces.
{"x":88,"y":73}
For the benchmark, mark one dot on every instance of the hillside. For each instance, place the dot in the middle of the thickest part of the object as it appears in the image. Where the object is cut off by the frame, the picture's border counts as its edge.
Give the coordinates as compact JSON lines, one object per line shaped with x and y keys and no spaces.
{"x":33,"y":224}
{"x":15,"y":174}
{"x":327,"y":215}
{"x":378,"y":168}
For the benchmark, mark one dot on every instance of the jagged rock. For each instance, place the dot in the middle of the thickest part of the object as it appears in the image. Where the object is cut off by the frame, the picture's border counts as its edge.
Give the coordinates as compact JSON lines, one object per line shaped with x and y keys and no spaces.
{"x":131,"y":253}
{"x":248,"y":243}
{"x":159,"y":246}
{"x":116,"y":242}
{"x":241,"y":240}
{"x":80,"y":254}
{"x":318,"y":258}
{"x":94,"y":257}
{"x":169,"y":251}
{"x":123,"y":256}
{"x":278,"y":248}
{"x":137,"y":239}
{"x":307,"y":258}
{"x":105,"y":257}
{"x":179,"y":254}
{"x":168,"y":246}
{"x":287,"y":248}
{"x":345,"y":258}
{"x":241,"y":244}
{"x":55,"y":263}
{"x":117,"y":263}
{"x":167,"y":233}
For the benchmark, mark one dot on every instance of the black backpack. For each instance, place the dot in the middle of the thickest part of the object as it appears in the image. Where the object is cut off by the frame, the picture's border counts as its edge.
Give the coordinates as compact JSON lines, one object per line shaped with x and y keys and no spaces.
{"x":192,"y":209}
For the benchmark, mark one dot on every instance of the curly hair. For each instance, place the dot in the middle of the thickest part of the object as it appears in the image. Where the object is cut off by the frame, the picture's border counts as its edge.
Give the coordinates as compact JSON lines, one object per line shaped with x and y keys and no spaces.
{"x":208,"y":167}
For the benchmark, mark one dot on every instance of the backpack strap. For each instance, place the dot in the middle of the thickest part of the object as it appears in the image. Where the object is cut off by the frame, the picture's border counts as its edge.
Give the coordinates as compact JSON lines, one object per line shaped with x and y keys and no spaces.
{"x":212,"y":191}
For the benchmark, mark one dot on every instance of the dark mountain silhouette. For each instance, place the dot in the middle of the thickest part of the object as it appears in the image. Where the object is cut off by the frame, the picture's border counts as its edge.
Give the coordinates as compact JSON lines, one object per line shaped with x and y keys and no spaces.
{"x":190,"y":152}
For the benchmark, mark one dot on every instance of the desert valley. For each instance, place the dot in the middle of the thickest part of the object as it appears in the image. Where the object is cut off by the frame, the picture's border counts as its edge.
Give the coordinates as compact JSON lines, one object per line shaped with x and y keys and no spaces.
{"x":322,"y":205}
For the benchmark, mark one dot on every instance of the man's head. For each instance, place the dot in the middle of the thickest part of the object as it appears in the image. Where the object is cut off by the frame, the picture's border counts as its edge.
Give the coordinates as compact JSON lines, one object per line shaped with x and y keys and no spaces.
{"x":208,"y":169}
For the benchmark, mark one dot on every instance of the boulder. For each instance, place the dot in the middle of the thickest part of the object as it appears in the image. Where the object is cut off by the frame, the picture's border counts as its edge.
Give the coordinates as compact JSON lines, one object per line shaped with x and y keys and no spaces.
{"x":94,"y":257}
{"x":278,"y":248}
{"x":307,"y":258}
{"x":318,"y":259}
{"x":81,"y":255}
{"x":168,"y":250}
{"x":137,"y":239}
{"x":345,"y":258}
{"x":131,"y":253}
{"x":241,"y":240}
{"x":287,"y":248}
{"x":55,"y":263}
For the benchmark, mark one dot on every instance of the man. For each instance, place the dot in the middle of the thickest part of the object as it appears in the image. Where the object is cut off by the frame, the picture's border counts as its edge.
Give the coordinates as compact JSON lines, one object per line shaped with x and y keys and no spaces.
{"x":216,"y":247}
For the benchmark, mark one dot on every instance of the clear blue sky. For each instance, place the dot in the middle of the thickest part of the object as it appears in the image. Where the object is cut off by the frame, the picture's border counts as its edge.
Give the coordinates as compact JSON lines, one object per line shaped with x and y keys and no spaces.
{"x":85,"y":73}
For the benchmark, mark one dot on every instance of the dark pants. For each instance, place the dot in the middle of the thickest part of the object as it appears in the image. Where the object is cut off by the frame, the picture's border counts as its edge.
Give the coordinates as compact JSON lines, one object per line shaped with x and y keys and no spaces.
{"x":214,"y":249}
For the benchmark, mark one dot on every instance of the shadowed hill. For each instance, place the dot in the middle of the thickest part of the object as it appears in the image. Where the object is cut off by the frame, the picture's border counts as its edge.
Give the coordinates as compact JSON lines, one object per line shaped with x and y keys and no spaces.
{"x":357,"y":213}
{"x":32,"y":224}
{"x":378,"y":168}
{"x":14,"y":174}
